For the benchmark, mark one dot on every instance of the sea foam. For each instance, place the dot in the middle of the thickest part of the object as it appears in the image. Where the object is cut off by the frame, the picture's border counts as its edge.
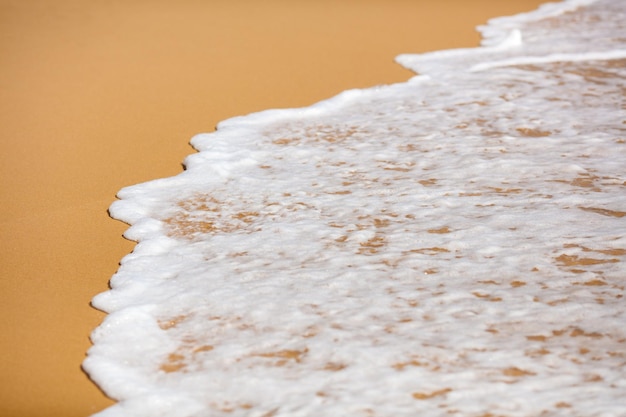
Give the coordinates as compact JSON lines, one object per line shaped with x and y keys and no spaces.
{"x":452,"y":245}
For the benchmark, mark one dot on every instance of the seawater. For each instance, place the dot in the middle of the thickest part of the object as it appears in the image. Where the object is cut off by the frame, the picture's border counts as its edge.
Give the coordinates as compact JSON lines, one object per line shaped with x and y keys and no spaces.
{"x":452,"y":245}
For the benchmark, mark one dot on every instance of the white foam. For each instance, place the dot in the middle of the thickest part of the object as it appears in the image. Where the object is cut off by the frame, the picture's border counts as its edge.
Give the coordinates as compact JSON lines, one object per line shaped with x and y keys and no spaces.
{"x":578,"y":57}
{"x":528,"y":36}
{"x":452,"y":245}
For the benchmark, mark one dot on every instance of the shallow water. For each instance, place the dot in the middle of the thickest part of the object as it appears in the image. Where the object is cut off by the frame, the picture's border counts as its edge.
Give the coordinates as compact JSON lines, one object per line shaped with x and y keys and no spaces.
{"x":452,"y":245}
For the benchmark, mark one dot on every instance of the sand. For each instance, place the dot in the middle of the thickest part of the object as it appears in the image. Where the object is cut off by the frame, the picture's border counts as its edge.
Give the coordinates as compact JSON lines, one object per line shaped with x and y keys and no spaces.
{"x":98,"y":96}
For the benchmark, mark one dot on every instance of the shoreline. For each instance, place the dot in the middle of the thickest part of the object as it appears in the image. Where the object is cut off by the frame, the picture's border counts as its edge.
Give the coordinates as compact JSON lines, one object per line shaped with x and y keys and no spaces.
{"x":101,"y":97}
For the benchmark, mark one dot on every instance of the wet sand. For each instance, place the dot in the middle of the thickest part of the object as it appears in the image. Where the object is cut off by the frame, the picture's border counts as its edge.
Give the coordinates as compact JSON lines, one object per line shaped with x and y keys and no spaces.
{"x":96,"y":96}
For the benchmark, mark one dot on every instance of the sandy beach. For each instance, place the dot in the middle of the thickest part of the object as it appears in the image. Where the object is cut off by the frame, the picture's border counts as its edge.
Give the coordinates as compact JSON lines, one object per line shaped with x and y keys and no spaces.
{"x":97,"y":96}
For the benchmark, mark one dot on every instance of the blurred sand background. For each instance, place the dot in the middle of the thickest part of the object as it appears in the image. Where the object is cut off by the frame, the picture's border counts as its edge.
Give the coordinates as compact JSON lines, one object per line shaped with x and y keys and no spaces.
{"x":98,"y":95}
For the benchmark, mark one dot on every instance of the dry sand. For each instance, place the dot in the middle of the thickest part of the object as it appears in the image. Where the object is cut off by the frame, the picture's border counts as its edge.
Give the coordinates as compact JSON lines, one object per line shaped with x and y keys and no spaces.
{"x":99,"y":95}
